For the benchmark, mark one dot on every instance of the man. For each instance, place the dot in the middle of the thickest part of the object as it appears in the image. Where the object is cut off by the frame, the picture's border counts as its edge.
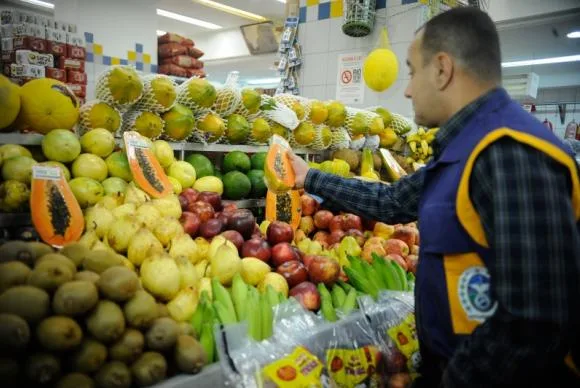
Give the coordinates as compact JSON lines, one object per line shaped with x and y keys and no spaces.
{"x":497,"y":295}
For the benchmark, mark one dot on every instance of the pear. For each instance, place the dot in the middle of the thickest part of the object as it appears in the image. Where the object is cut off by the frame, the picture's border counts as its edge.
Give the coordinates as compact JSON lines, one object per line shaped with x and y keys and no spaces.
{"x":135,"y":195}
{"x":183,"y":245}
{"x":188,"y":274}
{"x":160,"y":276}
{"x":142,"y":245}
{"x":216,"y":243}
{"x":205,"y":285}
{"x":225,"y":263}
{"x":183,"y":305}
{"x":201,"y":268}
{"x":254,"y":270}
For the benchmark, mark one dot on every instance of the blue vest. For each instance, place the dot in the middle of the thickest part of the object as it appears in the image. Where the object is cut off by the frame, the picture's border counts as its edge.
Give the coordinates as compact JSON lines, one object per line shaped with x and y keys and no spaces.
{"x":453,"y":289}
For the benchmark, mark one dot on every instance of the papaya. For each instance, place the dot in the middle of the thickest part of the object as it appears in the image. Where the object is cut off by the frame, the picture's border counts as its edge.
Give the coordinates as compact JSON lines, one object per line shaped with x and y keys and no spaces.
{"x":56,"y":214}
{"x":285,"y":207}
{"x":278,"y":171}
{"x":146,"y":169}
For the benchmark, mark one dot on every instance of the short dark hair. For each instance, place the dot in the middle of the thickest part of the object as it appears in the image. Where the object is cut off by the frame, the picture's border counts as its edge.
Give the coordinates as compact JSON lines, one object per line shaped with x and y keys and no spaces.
{"x":469,"y":35}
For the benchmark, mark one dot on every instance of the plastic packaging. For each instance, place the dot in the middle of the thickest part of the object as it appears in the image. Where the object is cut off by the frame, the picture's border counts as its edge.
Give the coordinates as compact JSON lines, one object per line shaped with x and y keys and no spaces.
{"x":279,"y":177}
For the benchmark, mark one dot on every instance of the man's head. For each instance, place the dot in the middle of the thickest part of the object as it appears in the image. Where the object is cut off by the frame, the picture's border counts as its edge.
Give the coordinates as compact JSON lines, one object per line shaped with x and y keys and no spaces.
{"x":454,"y":58}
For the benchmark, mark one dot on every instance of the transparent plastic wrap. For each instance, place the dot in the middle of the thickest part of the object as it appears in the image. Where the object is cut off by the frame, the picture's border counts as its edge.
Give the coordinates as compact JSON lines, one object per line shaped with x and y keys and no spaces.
{"x":392,"y":318}
{"x":362,"y":122}
{"x":147,"y":124}
{"x":229,"y":97}
{"x":340,"y":139}
{"x":120,"y":86}
{"x":372,"y":142}
{"x":99,"y":114}
{"x":159,"y":93}
{"x":278,"y":113}
{"x":278,"y":172}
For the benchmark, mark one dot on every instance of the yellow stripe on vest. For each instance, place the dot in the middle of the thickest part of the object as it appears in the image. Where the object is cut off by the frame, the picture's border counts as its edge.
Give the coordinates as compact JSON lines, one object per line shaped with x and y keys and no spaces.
{"x":468,"y":216}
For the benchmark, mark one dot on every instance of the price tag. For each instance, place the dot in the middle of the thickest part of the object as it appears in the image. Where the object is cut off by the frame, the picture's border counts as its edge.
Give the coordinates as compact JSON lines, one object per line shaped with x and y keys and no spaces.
{"x":46,"y":173}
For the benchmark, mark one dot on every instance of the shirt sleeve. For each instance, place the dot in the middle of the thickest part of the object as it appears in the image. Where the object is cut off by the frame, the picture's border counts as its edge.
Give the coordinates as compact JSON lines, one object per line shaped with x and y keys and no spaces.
{"x":523,"y":197}
{"x":392,"y":204}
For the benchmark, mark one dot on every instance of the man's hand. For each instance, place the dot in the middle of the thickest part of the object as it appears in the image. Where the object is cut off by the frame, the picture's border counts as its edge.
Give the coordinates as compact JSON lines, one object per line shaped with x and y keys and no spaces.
{"x":300,"y":169}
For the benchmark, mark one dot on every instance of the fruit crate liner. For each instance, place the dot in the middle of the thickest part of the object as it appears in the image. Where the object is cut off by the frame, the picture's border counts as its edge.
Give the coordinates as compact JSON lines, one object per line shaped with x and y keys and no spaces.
{"x":290,"y":100}
{"x":152,"y":131}
{"x":102,"y":91}
{"x":400,"y":122}
{"x":84,"y":124}
{"x":228,"y":100}
{"x":278,"y":113}
{"x":149,"y":101}
{"x":351,"y":113}
{"x":318,"y":144}
{"x":183,"y":98}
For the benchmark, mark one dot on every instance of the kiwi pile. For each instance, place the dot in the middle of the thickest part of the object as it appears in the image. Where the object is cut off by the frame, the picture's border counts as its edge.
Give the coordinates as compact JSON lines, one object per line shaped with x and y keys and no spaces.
{"x":80,"y":318}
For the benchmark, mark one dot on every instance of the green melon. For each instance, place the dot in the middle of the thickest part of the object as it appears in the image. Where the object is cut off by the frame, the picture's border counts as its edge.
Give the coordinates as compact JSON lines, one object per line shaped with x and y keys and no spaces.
{"x":258,"y":184}
{"x":236,"y":185}
{"x":118,"y":166}
{"x":258,"y":160}
{"x":203,"y":166}
{"x":237,"y":161}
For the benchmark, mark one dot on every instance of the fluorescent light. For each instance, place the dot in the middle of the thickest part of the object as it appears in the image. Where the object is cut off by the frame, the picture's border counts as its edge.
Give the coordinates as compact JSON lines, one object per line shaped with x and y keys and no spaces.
{"x":282,"y":1}
{"x":39,"y":3}
{"x":544,"y":61}
{"x":231,"y":10}
{"x":187,"y":19}
{"x":161,"y":32}
{"x":263,"y":81}
{"x":574,"y":34}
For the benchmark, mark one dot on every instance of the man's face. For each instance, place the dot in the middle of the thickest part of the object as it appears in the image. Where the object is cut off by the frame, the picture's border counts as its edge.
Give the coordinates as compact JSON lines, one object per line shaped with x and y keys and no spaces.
{"x":422,"y":88}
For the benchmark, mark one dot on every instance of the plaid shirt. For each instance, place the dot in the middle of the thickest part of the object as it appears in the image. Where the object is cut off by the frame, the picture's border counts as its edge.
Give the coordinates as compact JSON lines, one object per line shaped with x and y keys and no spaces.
{"x":523,"y":198}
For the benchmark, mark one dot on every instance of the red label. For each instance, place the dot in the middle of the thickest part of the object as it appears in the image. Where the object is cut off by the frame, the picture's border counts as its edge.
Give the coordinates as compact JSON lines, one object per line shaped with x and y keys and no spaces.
{"x":69,"y":63}
{"x":76,"y":77}
{"x":58,"y":74}
{"x":75,"y":52}
{"x":56,"y":48}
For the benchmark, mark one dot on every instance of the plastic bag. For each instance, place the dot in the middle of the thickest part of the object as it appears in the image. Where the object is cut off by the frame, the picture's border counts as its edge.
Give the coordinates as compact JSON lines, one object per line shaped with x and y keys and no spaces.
{"x":280,"y":176}
{"x":173,"y":70}
{"x":183,"y":61}
{"x":171,"y":49}
{"x":392,"y":318}
{"x":195,"y":52}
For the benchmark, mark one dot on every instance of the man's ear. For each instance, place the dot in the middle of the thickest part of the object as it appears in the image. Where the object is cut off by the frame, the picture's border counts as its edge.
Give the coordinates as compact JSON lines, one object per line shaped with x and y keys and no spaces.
{"x":444,"y":69}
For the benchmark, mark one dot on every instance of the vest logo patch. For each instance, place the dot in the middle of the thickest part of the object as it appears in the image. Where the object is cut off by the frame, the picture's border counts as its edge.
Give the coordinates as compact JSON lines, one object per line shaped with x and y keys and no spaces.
{"x":474,"y":293}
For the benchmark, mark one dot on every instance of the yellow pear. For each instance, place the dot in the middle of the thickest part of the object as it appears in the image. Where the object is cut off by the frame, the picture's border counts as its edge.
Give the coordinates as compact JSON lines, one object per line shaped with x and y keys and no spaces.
{"x":183,"y":305}
{"x":254,"y":270}
{"x":189,"y":276}
{"x":225,"y":263}
{"x":201,"y":268}
{"x":275,"y":280}
{"x":202,"y":247}
{"x":205,"y":285}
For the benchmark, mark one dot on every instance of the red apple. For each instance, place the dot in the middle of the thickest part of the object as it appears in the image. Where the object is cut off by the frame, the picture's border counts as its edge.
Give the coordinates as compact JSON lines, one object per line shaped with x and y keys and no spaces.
{"x":398,"y":259}
{"x":191,"y":195}
{"x":309,"y":205}
{"x":214,"y":199}
{"x":278,"y":232}
{"x":322,"y":219}
{"x":183,"y":202}
{"x":190,"y":222}
{"x":323,"y":269}
{"x":307,"y":259}
{"x":242,"y":221}
{"x":397,"y":247}
{"x":307,"y":294}
{"x":406,"y":234}
{"x":257,"y":248}
{"x":351,"y":221}
{"x":307,"y":225}
{"x":412,"y":262}
{"x":211,"y":228}
{"x":235,"y":237}
{"x":283,"y":252}
{"x":358,"y":236}
{"x":294,"y":272}
{"x":322,"y":238}
{"x":299,"y":236}
{"x":335,"y":237}
{"x":203,"y":209}
{"x":257,"y":233}
{"x":335,"y":223}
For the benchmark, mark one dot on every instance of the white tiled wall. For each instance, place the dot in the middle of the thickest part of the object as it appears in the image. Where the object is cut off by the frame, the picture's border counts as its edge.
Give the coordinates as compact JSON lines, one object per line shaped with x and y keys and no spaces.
{"x":324,"y":40}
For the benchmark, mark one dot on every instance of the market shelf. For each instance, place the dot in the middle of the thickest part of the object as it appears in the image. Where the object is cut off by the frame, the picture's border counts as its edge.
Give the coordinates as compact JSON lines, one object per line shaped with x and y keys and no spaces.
{"x":35,"y":139}
{"x":9,"y":220}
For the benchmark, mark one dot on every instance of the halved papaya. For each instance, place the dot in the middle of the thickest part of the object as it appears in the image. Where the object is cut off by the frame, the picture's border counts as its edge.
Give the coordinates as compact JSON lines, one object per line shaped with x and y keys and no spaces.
{"x":56,"y":213}
{"x":146,"y":169}
{"x":285,"y":207}
{"x":278,"y":171}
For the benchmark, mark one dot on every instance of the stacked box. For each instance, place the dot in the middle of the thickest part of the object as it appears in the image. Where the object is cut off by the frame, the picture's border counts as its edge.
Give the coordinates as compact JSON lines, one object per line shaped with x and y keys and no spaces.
{"x":34,"y":46}
{"x":178,"y":56}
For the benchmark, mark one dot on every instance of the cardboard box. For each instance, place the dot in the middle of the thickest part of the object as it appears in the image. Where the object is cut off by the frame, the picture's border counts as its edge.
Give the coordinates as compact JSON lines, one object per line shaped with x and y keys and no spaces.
{"x":26,"y":71}
{"x":54,"y":73}
{"x":78,"y":90}
{"x":70,"y":63}
{"x":75,"y":52}
{"x":30,"y":43}
{"x":76,"y":77}
{"x":28,"y":57}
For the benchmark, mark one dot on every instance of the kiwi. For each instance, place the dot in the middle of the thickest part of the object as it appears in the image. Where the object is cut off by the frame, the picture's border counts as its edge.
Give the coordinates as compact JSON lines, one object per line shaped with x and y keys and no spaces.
{"x":128,"y":348}
{"x":59,"y":333}
{"x":14,"y":332}
{"x":40,"y":249}
{"x":98,"y":261}
{"x":13,"y":273}
{"x":185,"y":328}
{"x":49,"y":274}
{"x":141,"y":310}
{"x":42,"y":368}
{"x":162,"y":310}
{"x":162,"y":334}
{"x":106,"y":322}
{"x":75,"y":298}
{"x":60,"y":258}
{"x":189,"y":354}
{"x":88,"y":276}
{"x":9,"y":372}
{"x":118,"y":283}
{"x":114,"y":374}
{"x":76,"y":252}
{"x":149,"y":369}
{"x":28,"y":302}
{"x":17,"y":251}
{"x":89,"y":357}
{"x":75,"y":380}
